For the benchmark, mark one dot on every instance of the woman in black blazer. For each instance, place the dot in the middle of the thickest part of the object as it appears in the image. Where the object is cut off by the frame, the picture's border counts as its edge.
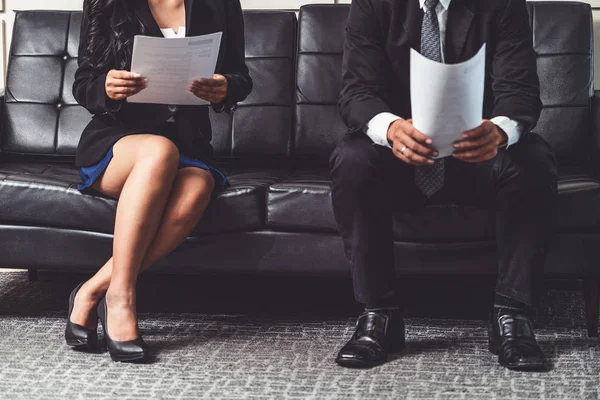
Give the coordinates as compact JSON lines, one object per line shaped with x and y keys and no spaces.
{"x":155,"y":159}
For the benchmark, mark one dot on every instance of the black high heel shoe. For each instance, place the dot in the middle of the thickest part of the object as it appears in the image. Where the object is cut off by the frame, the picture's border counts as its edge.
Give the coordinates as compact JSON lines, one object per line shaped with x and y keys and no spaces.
{"x":77,"y":336}
{"x":130,"y":351}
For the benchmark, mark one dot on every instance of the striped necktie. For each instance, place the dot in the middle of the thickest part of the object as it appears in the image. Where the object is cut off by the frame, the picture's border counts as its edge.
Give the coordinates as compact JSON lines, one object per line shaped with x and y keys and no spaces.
{"x":430,"y":178}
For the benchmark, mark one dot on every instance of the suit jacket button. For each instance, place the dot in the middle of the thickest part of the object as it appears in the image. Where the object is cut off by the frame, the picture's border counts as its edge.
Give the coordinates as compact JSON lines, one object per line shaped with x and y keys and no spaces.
{"x":173,"y":109}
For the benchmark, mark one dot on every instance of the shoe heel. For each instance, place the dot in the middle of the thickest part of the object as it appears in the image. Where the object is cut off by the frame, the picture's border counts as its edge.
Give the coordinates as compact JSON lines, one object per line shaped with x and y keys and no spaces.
{"x":399,"y":342}
{"x":77,"y":336}
{"x":133,"y":351}
{"x":398,"y":345}
{"x":493,"y":345}
{"x":84,"y":340}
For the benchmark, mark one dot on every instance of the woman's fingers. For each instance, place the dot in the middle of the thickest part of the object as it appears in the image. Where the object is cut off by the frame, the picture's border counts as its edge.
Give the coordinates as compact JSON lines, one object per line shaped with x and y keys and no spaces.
{"x":209,"y":93}
{"x":216,"y":81}
{"x":122,"y":84}
{"x":208,"y":97}
{"x":209,"y":82}
{"x":122,"y":93}
{"x":206,"y":93}
{"x":128,"y":90}
{"x":209,"y":89}
{"x":128,"y":82}
{"x":115,"y":74}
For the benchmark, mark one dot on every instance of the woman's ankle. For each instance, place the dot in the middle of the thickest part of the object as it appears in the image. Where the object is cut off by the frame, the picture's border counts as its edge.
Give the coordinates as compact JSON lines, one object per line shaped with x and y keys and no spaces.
{"x":91,"y":293}
{"x":120,"y":297}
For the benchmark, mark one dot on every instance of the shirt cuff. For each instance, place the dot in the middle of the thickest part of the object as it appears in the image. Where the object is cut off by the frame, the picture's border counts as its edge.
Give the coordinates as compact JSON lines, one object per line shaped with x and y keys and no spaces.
{"x":512,"y":129}
{"x":377,"y":128}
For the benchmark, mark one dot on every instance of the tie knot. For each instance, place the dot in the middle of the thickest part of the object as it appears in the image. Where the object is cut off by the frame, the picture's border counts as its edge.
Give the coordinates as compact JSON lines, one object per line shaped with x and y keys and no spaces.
{"x":431,"y":4}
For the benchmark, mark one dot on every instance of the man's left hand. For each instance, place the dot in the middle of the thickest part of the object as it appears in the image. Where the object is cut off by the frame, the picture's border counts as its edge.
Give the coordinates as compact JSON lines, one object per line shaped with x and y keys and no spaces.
{"x":480,"y":144}
{"x":213,"y":90}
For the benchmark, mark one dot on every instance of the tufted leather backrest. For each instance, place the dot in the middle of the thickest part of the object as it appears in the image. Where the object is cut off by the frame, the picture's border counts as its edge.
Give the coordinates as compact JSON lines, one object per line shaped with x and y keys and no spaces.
{"x":42,"y":119}
{"x":41,"y":116}
{"x":563,"y":40}
{"x":262,"y":124}
{"x":320,"y":45}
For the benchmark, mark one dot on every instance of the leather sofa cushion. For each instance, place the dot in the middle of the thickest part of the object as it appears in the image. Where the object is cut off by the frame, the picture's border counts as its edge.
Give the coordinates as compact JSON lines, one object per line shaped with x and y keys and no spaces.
{"x":302,"y":202}
{"x":46,"y":195}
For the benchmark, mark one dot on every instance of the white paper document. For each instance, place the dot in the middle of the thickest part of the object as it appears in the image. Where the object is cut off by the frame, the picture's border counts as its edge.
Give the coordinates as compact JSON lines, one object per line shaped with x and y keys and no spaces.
{"x":447,"y":99}
{"x":171,"y":65}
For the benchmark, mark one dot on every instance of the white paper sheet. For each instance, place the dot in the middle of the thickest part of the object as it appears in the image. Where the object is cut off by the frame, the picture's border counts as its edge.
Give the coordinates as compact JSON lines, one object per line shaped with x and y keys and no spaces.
{"x":171,"y":65}
{"x":447,"y":100}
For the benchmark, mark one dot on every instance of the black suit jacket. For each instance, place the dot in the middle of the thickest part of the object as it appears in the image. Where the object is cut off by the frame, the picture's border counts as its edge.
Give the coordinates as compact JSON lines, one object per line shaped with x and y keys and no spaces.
{"x":380,"y":34}
{"x":112,"y":120}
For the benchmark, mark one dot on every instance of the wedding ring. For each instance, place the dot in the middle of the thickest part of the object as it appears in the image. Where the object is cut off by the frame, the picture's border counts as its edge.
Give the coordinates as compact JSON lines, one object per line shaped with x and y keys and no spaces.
{"x":402,"y":150}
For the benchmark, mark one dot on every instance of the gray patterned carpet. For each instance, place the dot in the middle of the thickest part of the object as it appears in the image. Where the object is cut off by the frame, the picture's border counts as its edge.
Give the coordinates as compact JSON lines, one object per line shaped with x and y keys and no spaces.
{"x":249,"y":340}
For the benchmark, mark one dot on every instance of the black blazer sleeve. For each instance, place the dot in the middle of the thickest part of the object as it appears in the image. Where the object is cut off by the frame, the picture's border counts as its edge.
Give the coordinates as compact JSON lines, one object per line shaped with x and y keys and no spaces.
{"x":234,"y":66}
{"x":89,"y":86}
{"x":364,"y":93}
{"x":515,"y":81}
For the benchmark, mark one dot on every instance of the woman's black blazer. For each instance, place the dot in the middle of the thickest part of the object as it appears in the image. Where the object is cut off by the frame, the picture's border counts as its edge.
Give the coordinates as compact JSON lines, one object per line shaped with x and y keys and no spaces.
{"x":113,"y":120}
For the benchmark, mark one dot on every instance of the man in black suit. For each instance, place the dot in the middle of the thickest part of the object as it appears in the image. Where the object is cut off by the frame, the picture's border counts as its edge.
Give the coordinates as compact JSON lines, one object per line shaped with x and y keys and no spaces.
{"x":384,"y":164}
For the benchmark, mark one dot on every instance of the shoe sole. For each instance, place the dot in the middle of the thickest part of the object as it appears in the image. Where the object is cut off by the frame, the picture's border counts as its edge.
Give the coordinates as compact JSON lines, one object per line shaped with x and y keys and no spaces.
{"x":136,"y":357}
{"x":78,"y":344}
{"x":518,"y":367}
{"x":82,"y":345}
{"x":525,"y":367}
{"x":357,"y":364}
{"x":350,"y":363}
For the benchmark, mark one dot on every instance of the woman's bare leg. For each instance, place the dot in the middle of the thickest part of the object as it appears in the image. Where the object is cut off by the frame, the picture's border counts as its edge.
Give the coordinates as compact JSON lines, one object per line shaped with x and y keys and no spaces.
{"x":141,"y":175}
{"x":189,"y":198}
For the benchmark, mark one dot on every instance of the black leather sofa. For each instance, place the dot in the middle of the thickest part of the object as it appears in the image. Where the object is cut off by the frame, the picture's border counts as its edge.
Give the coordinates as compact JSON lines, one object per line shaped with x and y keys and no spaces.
{"x":276,"y":217}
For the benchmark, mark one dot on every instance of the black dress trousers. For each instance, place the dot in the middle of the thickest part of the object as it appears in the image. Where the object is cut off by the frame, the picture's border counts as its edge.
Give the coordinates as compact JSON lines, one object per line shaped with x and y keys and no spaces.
{"x":520,"y":184}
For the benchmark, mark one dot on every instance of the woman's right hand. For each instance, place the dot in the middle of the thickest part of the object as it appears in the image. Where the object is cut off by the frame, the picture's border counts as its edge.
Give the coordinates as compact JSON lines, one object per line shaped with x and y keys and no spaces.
{"x":123,"y":84}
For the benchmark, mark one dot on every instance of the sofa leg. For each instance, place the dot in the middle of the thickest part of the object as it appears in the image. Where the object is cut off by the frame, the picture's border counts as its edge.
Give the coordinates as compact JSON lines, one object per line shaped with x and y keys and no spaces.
{"x":32,"y":274}
{"x":592,"y":305}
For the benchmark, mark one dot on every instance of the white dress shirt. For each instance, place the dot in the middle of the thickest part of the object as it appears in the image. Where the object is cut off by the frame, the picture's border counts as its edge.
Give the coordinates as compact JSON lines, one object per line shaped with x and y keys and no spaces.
{"x":378,"y":127}
{"x":169,"y":33}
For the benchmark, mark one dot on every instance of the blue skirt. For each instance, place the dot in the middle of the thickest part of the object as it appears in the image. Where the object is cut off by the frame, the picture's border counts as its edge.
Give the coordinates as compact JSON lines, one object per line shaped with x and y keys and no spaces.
{"x":89,"y":175}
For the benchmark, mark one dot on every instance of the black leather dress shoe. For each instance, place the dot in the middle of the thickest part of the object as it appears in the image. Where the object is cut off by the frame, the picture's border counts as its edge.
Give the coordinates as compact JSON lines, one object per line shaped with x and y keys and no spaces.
{"x":512,"y":339}
{"x":77,"y":336}
{"x":129,"y":351}
{"x":378,"y":334}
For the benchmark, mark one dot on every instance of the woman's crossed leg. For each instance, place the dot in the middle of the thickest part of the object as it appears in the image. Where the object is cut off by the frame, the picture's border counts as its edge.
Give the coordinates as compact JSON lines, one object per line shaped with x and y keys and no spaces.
{"x":158,"y":206}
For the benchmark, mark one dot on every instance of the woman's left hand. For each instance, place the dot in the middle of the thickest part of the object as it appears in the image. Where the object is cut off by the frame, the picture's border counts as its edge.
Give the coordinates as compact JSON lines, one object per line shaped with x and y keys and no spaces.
{"x":213,"y":90}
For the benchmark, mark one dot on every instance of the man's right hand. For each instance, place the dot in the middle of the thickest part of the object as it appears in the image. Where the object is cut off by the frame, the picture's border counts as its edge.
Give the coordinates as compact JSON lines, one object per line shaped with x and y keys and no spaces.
{"x":123,"y":84}
{"x":410,"y":145}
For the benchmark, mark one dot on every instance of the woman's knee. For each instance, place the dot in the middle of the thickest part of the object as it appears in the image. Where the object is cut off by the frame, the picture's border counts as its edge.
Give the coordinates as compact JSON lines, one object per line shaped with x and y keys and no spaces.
{"x":158,"y":153}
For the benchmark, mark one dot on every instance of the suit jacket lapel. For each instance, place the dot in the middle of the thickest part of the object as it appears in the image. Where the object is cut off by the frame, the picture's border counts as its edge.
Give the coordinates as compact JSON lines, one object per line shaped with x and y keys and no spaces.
{"x":412,"y":23}
{"x":142,"y":10}
{"x":460,"y":17}
{"x":188,"y":17}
